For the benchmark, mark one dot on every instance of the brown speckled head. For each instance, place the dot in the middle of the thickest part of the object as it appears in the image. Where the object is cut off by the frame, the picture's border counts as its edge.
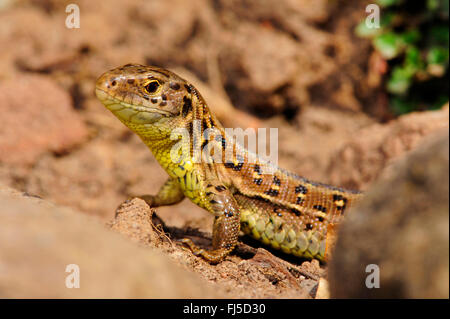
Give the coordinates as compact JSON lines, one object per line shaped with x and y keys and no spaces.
{"x":142,"y":94}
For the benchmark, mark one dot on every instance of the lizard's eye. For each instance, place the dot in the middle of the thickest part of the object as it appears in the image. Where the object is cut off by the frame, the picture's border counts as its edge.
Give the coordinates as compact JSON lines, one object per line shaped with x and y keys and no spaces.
{"x":152,"y":86}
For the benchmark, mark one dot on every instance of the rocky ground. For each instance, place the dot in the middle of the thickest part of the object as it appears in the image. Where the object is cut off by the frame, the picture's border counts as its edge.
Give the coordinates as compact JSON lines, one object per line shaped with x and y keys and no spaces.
{"x":403,"y":231}
{"x":296,"y":66}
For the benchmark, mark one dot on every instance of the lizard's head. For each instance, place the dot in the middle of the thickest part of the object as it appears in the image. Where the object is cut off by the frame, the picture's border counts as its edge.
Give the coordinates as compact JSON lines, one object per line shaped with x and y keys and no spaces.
{"x":139,"y":94}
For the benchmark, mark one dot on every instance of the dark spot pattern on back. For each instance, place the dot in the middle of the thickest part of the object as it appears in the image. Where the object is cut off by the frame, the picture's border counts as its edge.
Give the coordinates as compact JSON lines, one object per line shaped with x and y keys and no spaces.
{"x":187,"y":106}
{"x":296,"y":212}
{"x":228,"y":213}
{"x":228,"y":165}
{"x":191,"y":129}
{"x":258,"y":181}
{"x":238,"y":167}
{"x":272,"y":192}
{"x":276,"y":181}
{"x":301,"y":189}
{"x":204,"y":124}
{"x":320,"y":208}
{"x":224,"y":142}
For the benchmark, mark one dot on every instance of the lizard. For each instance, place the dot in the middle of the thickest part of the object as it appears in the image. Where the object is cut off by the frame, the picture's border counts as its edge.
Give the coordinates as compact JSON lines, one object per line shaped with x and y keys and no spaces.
{"x":243,"y":192}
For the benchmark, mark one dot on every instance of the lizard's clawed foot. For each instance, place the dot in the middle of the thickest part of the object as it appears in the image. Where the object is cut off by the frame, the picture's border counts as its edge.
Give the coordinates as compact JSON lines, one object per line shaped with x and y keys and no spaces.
{"x":212,"y":256}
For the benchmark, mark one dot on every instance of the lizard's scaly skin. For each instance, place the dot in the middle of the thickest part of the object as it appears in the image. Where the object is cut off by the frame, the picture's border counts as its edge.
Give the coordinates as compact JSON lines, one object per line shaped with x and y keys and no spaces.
{"x":278,"y":208}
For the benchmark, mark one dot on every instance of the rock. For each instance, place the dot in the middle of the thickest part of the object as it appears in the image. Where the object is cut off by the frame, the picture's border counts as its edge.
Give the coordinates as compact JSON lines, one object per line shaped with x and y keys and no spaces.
{"x":323,"y":290}
{"x":364,"y":156}
{"x":37,"y":116}
{"x":134,"y":220}
{"x":263,"y":46}
{"x":246,"y":55}
{"x":401,"y":227}
{"x":38,"y":240}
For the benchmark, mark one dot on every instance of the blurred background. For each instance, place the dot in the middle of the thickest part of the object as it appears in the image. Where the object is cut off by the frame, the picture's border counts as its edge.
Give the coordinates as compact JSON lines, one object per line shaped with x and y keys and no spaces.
{"x":347,"y":99}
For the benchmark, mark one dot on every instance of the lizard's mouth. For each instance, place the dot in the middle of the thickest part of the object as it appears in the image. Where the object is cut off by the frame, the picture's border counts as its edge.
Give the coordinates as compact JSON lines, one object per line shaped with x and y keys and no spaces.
{"x":130,"y":113}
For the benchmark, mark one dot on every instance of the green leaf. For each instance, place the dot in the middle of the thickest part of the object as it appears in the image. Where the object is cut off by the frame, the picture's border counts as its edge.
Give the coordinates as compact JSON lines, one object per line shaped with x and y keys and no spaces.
{"x":432,"y":5}
{"x":363,"y":31}
{"x":412,"y":56}
{"x":411,"y":37}
{"x":413,"y":59}
{"x":437,"y":59}
{"x":400,"y":80}
{"x":388,"y":3}
{"x":386,"y":19}
{"x":416,"y":41}
{"x":437,"y":55}
{"x":440,"y":6}
{"x":388,"y":44}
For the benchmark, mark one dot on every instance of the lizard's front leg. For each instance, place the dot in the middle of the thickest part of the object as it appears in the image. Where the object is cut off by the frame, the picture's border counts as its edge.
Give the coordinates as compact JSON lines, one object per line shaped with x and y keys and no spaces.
{"x":170,"y":193}
{"x":222,"y":204}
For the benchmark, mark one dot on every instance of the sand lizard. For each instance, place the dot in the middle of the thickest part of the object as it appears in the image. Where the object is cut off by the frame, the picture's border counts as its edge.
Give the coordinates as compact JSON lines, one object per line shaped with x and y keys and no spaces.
{"x":279,"y":208}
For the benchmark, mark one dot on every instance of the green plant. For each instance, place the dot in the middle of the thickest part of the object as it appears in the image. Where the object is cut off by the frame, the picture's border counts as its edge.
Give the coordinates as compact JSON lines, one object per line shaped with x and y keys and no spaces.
{"x":414,"y":38}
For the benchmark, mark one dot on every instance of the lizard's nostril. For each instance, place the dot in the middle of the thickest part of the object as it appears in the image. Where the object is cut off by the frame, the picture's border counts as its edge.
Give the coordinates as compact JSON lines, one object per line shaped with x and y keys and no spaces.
{"x":103,"y":82}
